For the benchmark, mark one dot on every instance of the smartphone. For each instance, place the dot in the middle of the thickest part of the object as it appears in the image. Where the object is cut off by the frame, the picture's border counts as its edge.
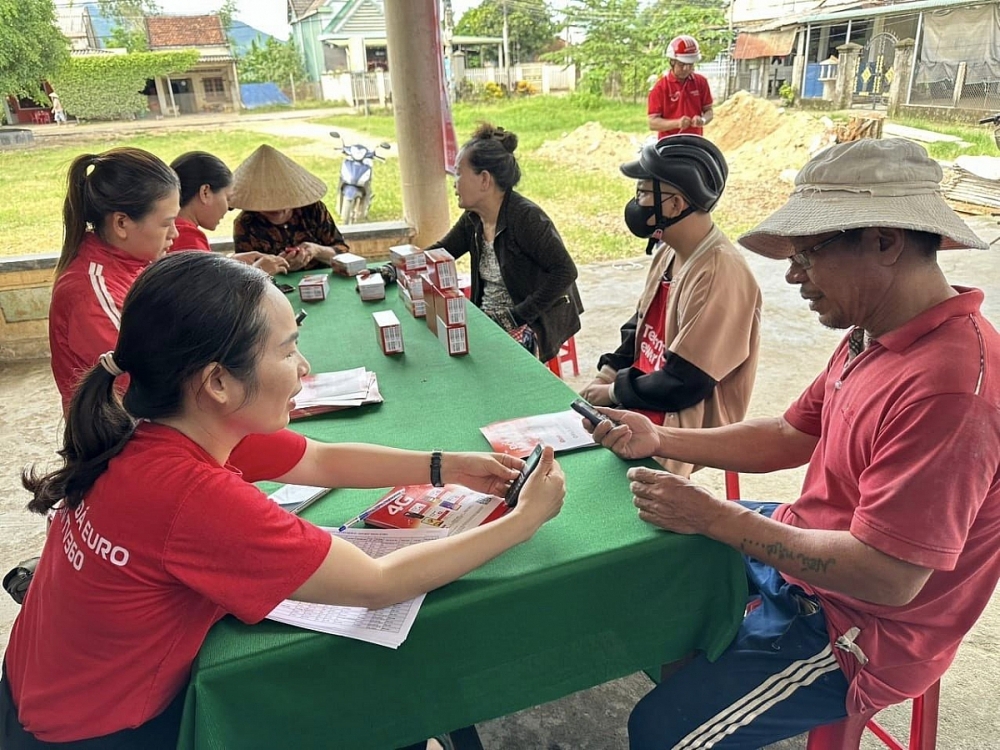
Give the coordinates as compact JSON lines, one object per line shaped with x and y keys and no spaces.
{"x":530,"y":464}
{"x":589,"y":412}
{"x":285,"y":288}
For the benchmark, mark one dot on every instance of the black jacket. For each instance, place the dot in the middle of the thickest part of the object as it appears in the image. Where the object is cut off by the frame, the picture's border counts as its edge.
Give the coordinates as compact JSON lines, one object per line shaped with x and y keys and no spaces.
{"x":538,"y":272}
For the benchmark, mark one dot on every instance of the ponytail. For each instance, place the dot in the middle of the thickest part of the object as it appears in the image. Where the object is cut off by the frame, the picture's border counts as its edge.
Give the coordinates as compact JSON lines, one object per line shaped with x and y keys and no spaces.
{"x":97,"y":429}
{"x":74,"y":209}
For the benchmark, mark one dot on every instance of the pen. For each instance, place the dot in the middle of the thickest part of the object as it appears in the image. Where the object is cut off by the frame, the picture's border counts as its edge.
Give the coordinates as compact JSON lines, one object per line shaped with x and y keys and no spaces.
{"x":391,"y":498}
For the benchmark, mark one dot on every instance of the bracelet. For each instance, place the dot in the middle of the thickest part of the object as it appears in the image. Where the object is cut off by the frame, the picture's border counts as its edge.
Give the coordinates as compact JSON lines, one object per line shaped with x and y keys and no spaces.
{"x":436,"y":469}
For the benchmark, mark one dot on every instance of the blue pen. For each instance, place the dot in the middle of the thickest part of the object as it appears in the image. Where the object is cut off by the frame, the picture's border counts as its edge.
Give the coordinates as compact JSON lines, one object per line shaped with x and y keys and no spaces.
{"x":398,"y":494}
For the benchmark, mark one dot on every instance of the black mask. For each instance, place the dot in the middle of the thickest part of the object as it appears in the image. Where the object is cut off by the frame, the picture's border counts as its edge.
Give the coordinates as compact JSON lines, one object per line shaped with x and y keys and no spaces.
{"x":637,"y":218}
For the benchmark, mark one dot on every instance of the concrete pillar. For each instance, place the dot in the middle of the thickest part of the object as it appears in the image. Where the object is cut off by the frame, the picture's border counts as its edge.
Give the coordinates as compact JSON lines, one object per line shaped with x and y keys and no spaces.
{"x":161,"y":85}
{"x":901,"y":63}
{"x":415,"y":66}
{"x":799,"y":64}
{"x":849,"y":54}
{"x":956,"y":96}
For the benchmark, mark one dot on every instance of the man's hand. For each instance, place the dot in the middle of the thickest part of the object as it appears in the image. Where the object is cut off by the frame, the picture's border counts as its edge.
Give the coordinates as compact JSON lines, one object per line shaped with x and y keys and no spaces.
{"x":686,"y":122}
{"x":672,"y":502}
{"x":633,"y":437}
{"x":597,"y":392}
{"x":698,"y":121}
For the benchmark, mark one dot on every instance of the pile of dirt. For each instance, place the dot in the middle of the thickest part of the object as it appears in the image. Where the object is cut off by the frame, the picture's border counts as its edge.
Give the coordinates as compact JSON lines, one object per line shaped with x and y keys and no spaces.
{"x":592,"y":148}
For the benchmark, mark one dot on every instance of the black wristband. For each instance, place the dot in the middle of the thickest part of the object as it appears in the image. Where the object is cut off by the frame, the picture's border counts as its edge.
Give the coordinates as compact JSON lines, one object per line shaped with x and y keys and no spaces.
{"x":436,"y":469}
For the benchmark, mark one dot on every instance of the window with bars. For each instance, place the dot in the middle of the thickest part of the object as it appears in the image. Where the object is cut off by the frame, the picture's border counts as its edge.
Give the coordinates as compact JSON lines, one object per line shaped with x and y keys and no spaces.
{"x":214,"y":87}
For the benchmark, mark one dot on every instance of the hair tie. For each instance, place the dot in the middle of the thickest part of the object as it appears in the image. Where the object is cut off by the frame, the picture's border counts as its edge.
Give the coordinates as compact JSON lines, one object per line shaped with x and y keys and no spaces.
{"x":107,"y":361}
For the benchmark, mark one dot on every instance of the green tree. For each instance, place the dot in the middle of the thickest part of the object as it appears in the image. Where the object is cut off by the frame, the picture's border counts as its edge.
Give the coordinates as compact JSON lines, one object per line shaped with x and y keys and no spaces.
{"x":530,"y":28}
{"x":31,"y":46}
{"x":131,"y":39}
{"x":271,"y":62}
{"x":705,"y":20}
{"x":226,"y":12}
{"x":129,"y":16}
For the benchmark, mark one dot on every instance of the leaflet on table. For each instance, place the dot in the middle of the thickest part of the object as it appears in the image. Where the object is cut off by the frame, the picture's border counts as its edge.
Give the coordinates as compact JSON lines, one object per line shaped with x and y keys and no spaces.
{"x":562,"y":430}
{"x":388,"y":626}
{"x":452,"y":507}
{"x":297,"y":497}
{"x":331,"y":391}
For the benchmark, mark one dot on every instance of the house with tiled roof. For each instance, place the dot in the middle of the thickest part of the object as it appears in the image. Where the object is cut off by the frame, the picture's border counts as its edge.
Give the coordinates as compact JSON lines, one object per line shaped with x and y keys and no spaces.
{"x":212,"y":84}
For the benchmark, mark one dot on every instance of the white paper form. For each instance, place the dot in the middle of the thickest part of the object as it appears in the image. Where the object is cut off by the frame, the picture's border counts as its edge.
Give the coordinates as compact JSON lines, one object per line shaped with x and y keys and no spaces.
{"x":388,"y":626}
{"x":343,"y":388}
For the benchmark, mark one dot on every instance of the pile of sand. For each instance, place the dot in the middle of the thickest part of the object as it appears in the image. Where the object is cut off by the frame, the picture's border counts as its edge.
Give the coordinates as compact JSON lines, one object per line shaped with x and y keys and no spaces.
{"x":759,"y":140}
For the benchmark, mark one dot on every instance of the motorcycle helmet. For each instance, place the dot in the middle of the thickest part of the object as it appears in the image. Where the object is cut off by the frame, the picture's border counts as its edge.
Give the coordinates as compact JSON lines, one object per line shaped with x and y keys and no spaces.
{"x":690,"y":163}
{"x":684,"y":49}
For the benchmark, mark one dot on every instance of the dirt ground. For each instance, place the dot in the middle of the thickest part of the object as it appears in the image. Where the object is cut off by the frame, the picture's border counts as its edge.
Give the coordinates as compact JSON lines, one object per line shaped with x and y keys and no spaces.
{"x":794,"y":348}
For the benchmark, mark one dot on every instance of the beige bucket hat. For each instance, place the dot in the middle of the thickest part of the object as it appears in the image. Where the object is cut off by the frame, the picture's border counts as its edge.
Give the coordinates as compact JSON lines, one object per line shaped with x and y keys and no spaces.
{"x":269,"y":181}
{"x":868,"y":183}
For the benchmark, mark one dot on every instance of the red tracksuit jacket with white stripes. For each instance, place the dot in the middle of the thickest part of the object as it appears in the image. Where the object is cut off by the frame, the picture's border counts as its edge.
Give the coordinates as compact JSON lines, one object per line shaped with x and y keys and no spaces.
{"x":85,"y":312}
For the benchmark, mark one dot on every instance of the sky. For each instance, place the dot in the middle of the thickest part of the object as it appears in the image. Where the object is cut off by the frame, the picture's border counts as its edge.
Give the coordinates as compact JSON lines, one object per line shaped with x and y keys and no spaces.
{"x":267,"y":15}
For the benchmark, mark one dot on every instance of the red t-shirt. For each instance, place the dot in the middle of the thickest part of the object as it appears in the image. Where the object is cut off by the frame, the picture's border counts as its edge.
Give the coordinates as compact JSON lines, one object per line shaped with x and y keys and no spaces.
{"x":165,"y":543}
{"x":189,"y":237}
{"x":672,"y":99}
{"x":908,"y":461}
{"x":652,"y":350}
{"x":85,"y":311}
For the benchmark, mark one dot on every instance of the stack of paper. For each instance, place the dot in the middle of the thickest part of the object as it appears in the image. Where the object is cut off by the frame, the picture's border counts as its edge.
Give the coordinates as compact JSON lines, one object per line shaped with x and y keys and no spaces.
{"x":386,"y":627}
{"x":562,"y":430}
{"x":331,"y":391}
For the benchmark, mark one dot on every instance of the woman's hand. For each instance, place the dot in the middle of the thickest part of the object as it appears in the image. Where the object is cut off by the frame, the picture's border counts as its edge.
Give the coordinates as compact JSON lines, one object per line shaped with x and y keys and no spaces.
{"x":491,"y":473}
{"x":271,"y":264}
{"x":541,"y":498}
{"x":300,"y":256}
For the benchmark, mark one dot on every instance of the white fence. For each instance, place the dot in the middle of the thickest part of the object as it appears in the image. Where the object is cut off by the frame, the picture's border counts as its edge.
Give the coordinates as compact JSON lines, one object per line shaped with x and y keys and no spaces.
{"x":358,"y":89}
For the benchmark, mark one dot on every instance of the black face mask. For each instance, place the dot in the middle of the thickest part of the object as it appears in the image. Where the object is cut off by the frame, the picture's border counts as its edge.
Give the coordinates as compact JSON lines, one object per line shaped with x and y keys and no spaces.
{"x":637,"y":220}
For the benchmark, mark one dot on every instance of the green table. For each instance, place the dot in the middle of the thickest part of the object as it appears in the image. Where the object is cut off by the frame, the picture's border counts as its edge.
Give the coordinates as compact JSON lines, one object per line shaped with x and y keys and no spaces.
{"x":597,"y":594}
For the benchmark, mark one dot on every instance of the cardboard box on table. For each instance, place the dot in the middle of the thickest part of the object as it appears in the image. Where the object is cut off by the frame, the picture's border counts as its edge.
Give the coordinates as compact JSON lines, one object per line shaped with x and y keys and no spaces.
{"x":389,"y":332}
{"x":314,"y":288}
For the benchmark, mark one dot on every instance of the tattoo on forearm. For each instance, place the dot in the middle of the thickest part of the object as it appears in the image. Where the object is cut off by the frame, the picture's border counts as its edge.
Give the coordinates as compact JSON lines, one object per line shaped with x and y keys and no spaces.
{"x":779,"y":552}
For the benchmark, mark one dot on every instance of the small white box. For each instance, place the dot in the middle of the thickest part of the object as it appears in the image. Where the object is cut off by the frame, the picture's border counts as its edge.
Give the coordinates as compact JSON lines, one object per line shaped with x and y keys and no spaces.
{"x":389,"y":331}
{"x":371,"y":287}
{"x":454,"y":338}
{"x":348,"y":264}
{"x":407,"y":257}
{"x":314,"y":287}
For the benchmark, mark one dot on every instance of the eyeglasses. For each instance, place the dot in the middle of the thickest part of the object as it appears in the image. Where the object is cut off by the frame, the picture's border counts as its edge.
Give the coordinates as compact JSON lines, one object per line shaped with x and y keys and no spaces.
{"x":802,"y":259}
{"x":640,"y":192}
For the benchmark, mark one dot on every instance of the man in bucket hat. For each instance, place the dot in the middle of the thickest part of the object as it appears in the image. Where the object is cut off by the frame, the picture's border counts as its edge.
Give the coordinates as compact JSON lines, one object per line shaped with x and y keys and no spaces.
{"x":282,"y":211}
{"x":866,"y":584}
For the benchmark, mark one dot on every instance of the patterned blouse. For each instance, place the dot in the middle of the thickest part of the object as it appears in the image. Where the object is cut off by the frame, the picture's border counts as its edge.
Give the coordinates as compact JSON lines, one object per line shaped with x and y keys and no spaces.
{"x":312,"y":223}
{"x":496,"y":299}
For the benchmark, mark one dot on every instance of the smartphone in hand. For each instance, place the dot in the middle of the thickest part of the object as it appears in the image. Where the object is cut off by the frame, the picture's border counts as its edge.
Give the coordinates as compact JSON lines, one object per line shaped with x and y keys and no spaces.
{"x":530,"y":464}
{"x":588,"y":412}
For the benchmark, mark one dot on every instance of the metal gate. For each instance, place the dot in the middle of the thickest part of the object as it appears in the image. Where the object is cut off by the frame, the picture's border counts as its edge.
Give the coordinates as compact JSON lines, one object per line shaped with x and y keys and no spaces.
{"x":875,"y":70}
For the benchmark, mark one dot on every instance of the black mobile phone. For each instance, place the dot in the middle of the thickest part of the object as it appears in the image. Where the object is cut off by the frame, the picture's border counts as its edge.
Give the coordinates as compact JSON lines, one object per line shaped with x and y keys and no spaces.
{"x":589,"y":412}
{"x":530,"y":464}
{"x":285,"y":288}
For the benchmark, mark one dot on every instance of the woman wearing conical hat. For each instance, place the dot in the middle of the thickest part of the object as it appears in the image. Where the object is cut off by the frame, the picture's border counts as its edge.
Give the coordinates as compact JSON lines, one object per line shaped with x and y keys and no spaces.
{"x":282,"y":212}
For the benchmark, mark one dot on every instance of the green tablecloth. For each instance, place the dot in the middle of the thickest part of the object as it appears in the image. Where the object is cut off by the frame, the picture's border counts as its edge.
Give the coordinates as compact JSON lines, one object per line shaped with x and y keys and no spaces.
{"x":595,"y":595}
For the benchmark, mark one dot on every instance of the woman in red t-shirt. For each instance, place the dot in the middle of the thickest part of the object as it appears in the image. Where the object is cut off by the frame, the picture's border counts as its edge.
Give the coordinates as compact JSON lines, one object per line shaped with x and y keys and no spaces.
{"x":206,"y":189}
{"x":158,"y":532}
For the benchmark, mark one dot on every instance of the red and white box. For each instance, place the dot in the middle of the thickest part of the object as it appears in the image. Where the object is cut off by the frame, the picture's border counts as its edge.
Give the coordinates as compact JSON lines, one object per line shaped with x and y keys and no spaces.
{"x":441,"y":268}
{"x":431,"y":292}
{"x":371,"y":287}
{"x":416,"y":307}
{"x":348,"y":264}
{"x":413,"y":282}
{"x":407,"y":257}
{"x":449,"y":306}
{"x":389,"y":332}
{"x":454,"y":338}
{"x":314,"y":287}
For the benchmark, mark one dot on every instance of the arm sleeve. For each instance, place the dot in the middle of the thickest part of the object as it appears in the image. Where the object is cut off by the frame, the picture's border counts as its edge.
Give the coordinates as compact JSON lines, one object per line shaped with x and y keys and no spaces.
{"x":458,"y":238}
{"x":654,"y":103}
{"x":678,"y":385}
{"x":932,"y":466}
{"x":260,"y":457}
{"x":538,"y":238}
{"x":326,"y":228}
{"x":624,"y":356}
{"x":239,"y":549}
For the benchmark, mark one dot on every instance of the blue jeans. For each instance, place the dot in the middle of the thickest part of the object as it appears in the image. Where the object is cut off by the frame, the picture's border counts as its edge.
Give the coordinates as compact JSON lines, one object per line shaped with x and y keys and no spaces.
{"x":777,"y":679}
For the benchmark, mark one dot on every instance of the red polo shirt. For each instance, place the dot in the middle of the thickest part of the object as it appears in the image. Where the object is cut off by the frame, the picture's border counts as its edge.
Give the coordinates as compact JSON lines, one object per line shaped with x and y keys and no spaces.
{"x":672,"y":99}
{"x":189,"y":237}
{"x":908,"y":461}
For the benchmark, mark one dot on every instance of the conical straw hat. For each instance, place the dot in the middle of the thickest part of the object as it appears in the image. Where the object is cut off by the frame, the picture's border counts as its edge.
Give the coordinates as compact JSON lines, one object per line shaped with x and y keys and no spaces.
{"x":269,"y":181}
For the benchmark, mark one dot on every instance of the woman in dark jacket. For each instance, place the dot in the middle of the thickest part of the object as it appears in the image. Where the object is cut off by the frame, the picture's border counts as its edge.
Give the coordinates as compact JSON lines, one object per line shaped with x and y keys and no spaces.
{"x":522,"y":276}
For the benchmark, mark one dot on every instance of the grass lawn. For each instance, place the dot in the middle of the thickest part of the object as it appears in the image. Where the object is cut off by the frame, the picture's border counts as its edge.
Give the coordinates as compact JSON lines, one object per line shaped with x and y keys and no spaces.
{"x":979,"y":138}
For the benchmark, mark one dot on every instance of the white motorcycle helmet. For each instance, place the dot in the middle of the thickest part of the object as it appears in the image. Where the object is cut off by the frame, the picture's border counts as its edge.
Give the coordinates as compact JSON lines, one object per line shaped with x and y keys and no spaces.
{"x":684,"y":49}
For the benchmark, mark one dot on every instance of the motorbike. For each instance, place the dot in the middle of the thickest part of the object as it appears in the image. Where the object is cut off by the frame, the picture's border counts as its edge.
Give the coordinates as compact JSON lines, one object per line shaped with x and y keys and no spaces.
{"x":354,"y":189}
{"x":993,"y":120}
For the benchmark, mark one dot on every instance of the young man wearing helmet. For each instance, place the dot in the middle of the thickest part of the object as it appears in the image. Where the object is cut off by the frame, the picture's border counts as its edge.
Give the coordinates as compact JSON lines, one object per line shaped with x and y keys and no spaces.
{"x":688,"y":356}
{"x":681,"y":101}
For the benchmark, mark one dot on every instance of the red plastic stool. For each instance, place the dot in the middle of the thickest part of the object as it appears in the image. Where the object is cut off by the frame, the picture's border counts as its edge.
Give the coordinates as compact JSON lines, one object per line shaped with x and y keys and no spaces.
{"x":732,"y":485}
{"x":567,"y":354}
{"x":846,"y":734}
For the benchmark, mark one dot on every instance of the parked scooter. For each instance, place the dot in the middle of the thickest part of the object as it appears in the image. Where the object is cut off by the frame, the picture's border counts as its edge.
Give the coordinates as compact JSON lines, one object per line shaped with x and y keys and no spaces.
{"x":995,"y":121}
{"x":355,"y":187}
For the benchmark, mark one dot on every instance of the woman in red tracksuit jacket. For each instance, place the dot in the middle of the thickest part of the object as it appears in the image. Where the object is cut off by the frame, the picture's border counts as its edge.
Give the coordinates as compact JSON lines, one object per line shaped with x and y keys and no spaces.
{"x":118,"y":218}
